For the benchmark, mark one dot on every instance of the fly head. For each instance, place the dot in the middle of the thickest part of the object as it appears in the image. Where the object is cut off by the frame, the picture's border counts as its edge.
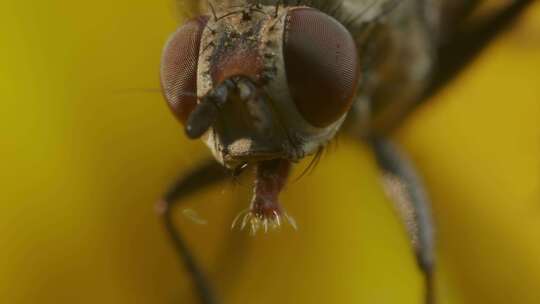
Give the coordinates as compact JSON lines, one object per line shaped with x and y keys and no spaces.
{"x":261,"y":82}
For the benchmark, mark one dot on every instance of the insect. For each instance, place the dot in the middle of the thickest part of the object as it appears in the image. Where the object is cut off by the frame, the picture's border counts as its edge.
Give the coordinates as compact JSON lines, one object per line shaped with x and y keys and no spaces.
{"x":267,"y":83}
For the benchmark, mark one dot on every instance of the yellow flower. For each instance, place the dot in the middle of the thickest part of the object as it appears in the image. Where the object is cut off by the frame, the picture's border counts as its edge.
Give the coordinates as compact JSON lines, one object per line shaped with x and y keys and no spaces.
{"x":88,"y":145}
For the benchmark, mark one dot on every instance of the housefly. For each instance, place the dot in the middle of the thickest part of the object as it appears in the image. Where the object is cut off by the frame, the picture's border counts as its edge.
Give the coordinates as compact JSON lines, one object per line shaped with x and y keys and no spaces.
{"x":266,"y":83}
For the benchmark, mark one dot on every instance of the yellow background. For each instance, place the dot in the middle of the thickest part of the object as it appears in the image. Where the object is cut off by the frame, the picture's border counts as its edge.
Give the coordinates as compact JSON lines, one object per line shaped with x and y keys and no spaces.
{"x":87,"y":146}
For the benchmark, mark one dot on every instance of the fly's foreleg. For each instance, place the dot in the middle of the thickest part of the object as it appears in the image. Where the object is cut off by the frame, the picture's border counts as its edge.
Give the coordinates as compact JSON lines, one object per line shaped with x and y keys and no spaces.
{"x":405,"y":188}
{"x":197,"y":179}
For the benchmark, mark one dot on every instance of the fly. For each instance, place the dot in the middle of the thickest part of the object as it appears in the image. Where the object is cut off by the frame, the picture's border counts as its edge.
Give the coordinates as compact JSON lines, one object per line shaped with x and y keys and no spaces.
{"x":266,"y":83}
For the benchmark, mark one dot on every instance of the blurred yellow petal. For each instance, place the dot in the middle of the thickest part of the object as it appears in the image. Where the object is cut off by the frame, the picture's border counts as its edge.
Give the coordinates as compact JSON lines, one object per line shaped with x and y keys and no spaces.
{"x":88,"y":145}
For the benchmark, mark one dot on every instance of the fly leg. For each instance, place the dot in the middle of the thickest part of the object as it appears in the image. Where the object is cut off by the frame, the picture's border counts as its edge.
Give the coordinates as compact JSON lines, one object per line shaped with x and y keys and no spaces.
{"x":405,"y":188}
{"x":197,"y":179}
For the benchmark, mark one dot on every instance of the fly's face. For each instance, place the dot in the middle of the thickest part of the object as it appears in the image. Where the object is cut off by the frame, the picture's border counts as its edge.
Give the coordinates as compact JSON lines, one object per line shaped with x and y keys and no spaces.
{"x":260,"y":83}
{"x":264,"y":85}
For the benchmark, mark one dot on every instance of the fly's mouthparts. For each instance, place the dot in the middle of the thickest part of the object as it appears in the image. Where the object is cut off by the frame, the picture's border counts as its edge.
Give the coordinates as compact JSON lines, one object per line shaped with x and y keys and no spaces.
{"x":256,"y":222}
{"x":265,"y":212}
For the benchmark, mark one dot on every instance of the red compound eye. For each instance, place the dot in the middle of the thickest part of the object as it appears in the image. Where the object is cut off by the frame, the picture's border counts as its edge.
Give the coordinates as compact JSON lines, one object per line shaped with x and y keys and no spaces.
{"x":321,"y":65}
{"x":179,"y":67}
